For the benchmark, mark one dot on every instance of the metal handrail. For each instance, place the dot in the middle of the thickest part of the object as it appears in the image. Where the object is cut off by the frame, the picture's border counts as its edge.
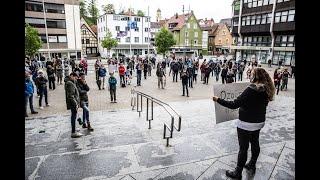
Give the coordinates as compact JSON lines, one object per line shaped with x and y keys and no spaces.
{"x":135,"y":102}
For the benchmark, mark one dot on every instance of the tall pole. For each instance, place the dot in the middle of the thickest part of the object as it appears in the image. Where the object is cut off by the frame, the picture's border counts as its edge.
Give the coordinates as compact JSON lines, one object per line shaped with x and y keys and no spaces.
{"x":45,"y":24}
{"x":74,"y":32}
{"x":130,"y":30}
{"x":148,"y":33}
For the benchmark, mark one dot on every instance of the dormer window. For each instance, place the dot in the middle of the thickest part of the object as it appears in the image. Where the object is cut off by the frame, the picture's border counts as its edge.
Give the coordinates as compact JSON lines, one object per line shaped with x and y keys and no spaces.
{"x":172,"y":25}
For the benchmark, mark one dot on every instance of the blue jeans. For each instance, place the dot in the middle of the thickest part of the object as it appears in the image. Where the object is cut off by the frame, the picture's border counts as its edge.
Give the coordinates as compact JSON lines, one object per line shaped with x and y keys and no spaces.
{"x":85,"y":115}
{"x":30,"y":99}
{"x":73,"y":119}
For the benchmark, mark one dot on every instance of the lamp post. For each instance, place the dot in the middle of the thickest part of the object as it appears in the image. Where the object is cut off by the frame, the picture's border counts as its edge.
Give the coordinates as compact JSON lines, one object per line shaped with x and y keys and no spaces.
{"x":45,"y":25}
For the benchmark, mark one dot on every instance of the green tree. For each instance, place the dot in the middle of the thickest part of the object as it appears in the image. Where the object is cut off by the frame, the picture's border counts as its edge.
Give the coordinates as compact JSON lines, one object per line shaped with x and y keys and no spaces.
{"x":32,"y":41}
{"x":83,"y":10}
{"x":164,"y":40}
{"x":140,"y":13}
{"x":93,"y":11}
{"x":108,"y":42}
{"x":108,"y":9}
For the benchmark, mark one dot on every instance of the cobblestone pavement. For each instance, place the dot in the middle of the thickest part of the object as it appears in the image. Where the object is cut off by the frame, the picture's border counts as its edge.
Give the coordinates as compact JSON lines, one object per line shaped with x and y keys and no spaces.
{"x":100,"y":99}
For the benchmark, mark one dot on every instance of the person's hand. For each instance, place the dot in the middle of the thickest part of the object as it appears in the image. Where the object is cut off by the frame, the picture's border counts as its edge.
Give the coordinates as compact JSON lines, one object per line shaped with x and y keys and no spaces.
{"x":215,"y":98}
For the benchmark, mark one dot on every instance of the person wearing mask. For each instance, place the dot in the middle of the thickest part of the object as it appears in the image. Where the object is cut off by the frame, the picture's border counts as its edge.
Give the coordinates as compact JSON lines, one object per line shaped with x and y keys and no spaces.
{"x":160,"y":74}
{"x":113,"y":87}
{"x":51,"y":77}
{"x":139,"y":72}
{"x":184,"y":78}
{"x":72,"y":101}
{"x":224,"y":73}
{"x":41,"y":82}
{"x":253,"y":103}
{"x":83,"y":89}
{"x":28,"y":93}
{"x":59,"y":70}
{"x":122,"y":72}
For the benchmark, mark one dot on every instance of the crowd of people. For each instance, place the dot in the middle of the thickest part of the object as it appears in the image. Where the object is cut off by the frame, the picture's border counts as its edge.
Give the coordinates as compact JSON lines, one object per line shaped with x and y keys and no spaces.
{"x":40,"y":74}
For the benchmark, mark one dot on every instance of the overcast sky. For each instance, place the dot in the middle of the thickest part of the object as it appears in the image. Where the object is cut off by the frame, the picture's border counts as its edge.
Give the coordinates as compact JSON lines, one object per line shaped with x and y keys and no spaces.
{"x":216,"y":9}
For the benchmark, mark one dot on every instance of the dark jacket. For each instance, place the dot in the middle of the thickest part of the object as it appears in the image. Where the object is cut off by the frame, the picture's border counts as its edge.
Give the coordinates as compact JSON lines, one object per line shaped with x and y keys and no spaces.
{"x":175,"y":67}
{"x":83,"y":89}
{"x":253,"y":103}
{"x":102,"y":72}
{"x":112,"y":83}
{"x":224,"y":72}
{"x":184,"y":77}
{"x":160,"y":72}
{"x":50,"y":73}
{"x":41,"y":82}
{"x":72,"y":93}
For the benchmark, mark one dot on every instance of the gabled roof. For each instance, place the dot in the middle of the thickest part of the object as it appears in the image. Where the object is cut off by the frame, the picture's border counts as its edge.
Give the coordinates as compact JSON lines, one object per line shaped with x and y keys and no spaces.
{"x":207,"y":22}
{"x":226,"y":21}
{"x":84,"y":23}
{"x":155,"y":25}
{"x":214,"y":28}
{"x":94,"y":28}
{"x":163,"y":22}
{"x":180,"y":20}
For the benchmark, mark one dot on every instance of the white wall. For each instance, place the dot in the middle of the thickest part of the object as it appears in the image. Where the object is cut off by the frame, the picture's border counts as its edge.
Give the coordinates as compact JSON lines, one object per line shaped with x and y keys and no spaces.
{"x":204,"y":39}
{"x":72,"y":13}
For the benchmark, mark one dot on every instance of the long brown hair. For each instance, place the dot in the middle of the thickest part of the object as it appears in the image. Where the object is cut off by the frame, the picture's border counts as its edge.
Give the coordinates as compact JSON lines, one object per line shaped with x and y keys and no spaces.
{"x":260,"y":76}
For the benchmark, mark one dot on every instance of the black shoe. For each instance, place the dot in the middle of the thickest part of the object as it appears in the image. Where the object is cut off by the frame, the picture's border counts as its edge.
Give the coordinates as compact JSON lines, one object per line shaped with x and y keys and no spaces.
{"x":251,"y":168}
{"x":84,"y":125}
{"x":182,"y":94}
{"x":89,"y":127}
{"x":236,"y":174}
{"x":79,"y":121}
{"x":34,"y":112}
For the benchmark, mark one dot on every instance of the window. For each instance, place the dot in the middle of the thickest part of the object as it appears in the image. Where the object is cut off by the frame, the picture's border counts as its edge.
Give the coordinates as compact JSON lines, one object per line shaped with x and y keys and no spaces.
{"x":248,"y":20}
{"x":210,"y":48}
{"x":291,"y":15}
{"x":186,"y":42}
{"x":249,"y":39}
{"x":127,"y":28}
{"x":245,"y":1}
{"x":269,"y":18}
{"x":146,"y":39}
{"x":236,"y":22}
{"x":117,"y":28}
{"x":271,"y":1}
{"x":250,"y":4}
{"x":284,"y":16}
{"x":35,"y":22}
{"x":195,"y":26}
{"x":124,"y":18}
{"x":116,"y":18}
{"x":118,"y":39}
{"x":61,"y":24}
{"x":33,"y":6}
{"x":87,"y":41}
{"x":253,"y":20}
{"x":254,"y":3}
{"x":279,"y":1}
{"x":263,"y":19}
{"x":103,"y":18}
{"x":62,"y":39}
{"x":82,"y":41}
{"x":53,"y":39}
{"x":186,"y":34}
{"x":195,"y":42}
{"x":277,"y":17}
{"x":136,"y":29}
{"x":188,"y":25}
{"x":258,"y":19}
{"x":54,"y":8}
{"x":128,"y":39}
{"x":104,"y":28}
{"x":137,"y":19}
{"x":259,"y":2}
{"x":243,"y":22}
{"x":147,"y":19}
{"x":146,"y":29}
{"x":136,"y":39}
{"x":265,"y":2}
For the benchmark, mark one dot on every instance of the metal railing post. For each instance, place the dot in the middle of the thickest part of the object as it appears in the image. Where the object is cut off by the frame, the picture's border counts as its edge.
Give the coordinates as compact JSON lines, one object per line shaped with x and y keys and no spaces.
{"x":172,"y":122}
{"x":152,"y":110}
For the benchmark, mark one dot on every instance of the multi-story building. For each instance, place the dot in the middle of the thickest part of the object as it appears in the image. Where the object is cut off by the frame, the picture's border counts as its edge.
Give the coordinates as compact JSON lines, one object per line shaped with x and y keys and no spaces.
{"x":89,"y":40}
{"x":187,"y":33}
{"x":222,"y":39}
{"x":206,"y":26}
{"x":58,"y":24}
{"x":131,"y":41}
{"x":264,"y":29}
{"x":154,"y":29}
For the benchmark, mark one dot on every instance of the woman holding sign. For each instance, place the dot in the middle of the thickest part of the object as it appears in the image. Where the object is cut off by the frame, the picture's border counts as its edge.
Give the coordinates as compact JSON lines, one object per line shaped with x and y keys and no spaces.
{"x":252,"y":114}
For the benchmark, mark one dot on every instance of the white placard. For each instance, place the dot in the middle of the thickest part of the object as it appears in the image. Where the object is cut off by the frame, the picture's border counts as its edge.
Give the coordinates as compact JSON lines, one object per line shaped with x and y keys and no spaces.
{"x":227,"y":92}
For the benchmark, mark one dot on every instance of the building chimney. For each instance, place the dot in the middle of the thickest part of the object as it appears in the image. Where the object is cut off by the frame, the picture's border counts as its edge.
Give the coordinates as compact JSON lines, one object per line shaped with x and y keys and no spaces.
{"x":176,"y":15}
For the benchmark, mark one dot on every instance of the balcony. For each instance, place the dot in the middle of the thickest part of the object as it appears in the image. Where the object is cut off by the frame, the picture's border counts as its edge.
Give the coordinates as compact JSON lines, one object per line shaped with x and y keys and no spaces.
{"x":48,"y":15}
{"x":285,"y":5}
{"x":55,"y":45}
{"x":52,"y":31}
{"x":255,"y":10}
{"x":287,"y":26}
{"x":262,"y":28}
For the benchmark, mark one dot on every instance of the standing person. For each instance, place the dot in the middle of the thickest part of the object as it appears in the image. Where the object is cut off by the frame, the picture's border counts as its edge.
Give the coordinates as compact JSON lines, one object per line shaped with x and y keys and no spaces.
{"x":164,"y":64}
{"x":149,"y":68}
{"x":72,"y":64}
{"x":253,"y":103}
{"x":83,"y":89}
{"x":28,"y":93}
{"x":102,"y":76}
{"x":269,"y":63}
{"x":72,"y":101}
{"x":139,"y":72}
{"x":113,"y":86}
{"x":207,"y":72}
{"x":160,"y":74}
{"x":217,"y":70}
{"x":280,"y":62}
{"x":145,"y":69}
{"x":51,"y":77}
{"x":235,"y":70}
{"x":285,"y":77}
{"x":59,"y":70}
{"x":122,"y":72}
{"x":293,"y":68}
{"x":277,"y":79}
{"x":249,"y":71}
{"x":128,"y":76}
{"x":66,"y":69}
{"x":41,"y":82}
{"x":130,"y":67}
{"x":240,"y":71}
{"x":84,"y":64}
{"x":175,"y":69}
{"x":97,"y":65}
{"x":230,"y":76}
{"x":184,"y":77}
{"x":203,"y":69}
{"x":195,"y":71}
{"x":224,"y":73}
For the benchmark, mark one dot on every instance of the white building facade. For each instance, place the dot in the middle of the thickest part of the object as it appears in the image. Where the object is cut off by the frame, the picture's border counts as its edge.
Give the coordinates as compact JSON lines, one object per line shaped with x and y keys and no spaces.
{"x":131,"y":41}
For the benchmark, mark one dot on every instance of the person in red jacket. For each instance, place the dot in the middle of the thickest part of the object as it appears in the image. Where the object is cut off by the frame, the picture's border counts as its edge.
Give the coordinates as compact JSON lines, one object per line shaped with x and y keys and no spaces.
{"x":122,"y":72}
{"x":84,"y":64}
